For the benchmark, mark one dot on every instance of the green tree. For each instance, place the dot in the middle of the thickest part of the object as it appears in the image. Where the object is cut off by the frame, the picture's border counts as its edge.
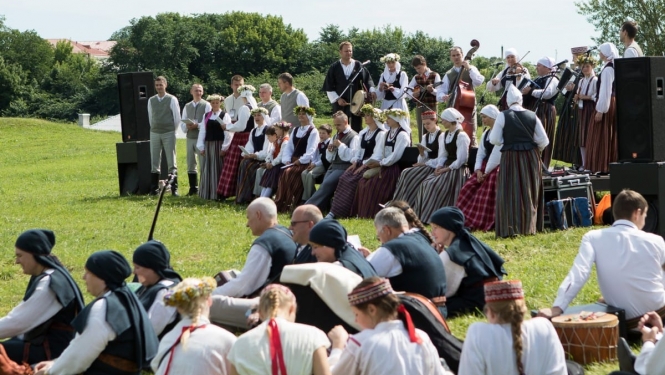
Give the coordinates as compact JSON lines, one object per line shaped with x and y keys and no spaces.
{"x":608,"y":16}
{"x":27,"y":49}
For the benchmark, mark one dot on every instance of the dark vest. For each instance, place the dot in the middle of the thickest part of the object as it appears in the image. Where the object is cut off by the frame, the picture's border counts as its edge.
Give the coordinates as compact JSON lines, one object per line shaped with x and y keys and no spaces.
{"x":337,"y":162}
{"x":422,"y":270}
{"x":452,"y":78}
{"x":147,"y":297}
{"x":280,"y":246}
{"x":214,"y":131}
{"x":489,"y":147}
{"x":352,"y":260}
{"x":518,"y":130}
{"x":451,"y":148}
{"x":305,"y":256}
{"x":258,"y":140}
{"x":322,"y":147}
{"x":434,"y":146}
{"x":250,"y":121}
{"x":300,"y":144}
{"x":389,"y":94}
{"x":368,"y":146}
{"x":428,"y":99}
{"x":391,"y":143}
{"x":610,"y":64}
{"x":542,"y":82}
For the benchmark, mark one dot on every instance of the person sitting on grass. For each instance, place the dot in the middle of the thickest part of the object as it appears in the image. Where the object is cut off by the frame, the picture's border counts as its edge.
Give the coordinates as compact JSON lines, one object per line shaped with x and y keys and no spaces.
{"x":328,"y":241}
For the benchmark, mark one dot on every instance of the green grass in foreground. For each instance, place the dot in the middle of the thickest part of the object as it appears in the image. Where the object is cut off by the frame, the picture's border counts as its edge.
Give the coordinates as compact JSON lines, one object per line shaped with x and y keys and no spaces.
{"x":65,"y":178}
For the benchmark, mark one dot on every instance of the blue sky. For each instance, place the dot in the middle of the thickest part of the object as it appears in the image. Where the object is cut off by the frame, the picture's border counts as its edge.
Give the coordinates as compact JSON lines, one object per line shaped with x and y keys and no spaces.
{"x":542,"y":27}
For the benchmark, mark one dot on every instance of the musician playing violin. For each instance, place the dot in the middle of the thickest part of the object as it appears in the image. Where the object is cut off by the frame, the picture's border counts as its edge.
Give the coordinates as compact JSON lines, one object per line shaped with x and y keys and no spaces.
{"x":423,"y":88}
{"x":469,"y":75}
{"x":512,"y":74}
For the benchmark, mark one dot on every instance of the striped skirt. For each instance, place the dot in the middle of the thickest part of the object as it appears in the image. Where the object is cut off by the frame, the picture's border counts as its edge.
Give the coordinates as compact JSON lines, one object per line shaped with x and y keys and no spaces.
{"x":374,"y":191}
{"x":211,"y":169}
{"x":602,"y":146}
{"x":271,"y":177}
{"x":439,"y":191}
{"x":547,"y":115}
{"x":520,"y":188}
{"x":566,"y":141}
{"x":246,"y":178}
{"x":290,"y":188}
{"x":409,"y":182}
{"x":229,"y":178}
{"x":584,"y":118}
{"x":478,"y":201}
{"x":345,"y":192}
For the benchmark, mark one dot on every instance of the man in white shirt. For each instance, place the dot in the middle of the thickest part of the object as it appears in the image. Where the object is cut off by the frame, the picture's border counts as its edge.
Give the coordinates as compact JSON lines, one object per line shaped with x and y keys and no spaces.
{"x":194,"y":111}
{"x":629,"y":263}
{"x":233,"y":103}
{"x":627,"y":36}
{"x":267,"y":102}
{"x":290,"y":99}
{"x":164,"y":118}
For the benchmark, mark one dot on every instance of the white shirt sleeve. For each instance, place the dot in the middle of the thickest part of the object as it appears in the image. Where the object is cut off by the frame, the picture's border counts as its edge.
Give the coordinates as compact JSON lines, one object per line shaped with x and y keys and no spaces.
{"x":472,"y":359}
{"x":463,"y":142}
{"x":203,"y":129}
{"x":265,"y":151}
{"x":454,"y":274}
{"x":175,"y":108}
{"x":481,"y":153}
{"x":332,"y":96}
{"x":302,"y":100}
{"x":249,"y":146}
{"x":253,"y":275}
{"x":540,"y":136}
{"x":243,"y":117}
{"x":377,"y":153}
{"x":161,"y":315}
{"x":384,"y":262}
{"x":380,"y":94}
{"x":86,"y":347}
{"x":604,"y":95}
{"x":477,"y":79}
{"x":183,"y":116}
{"x":493,"y":88}
{"x":650,"y":359}
{"x":494,"y":160}
{"x":443,"y":89}
{"x":228,"y":136}
{"x":40,"y":307}
{"x":496,"y":134}
{"x":400,"y":144}
{"x":549,"y":92}
{"x":577,"y":276}
{"x":312,"y":142}
{"x":275,"y":115}
{"x":437,"y":79}
{"x":630,"y":52}
{"x":345,"y":362}
{"x":150,"y":113}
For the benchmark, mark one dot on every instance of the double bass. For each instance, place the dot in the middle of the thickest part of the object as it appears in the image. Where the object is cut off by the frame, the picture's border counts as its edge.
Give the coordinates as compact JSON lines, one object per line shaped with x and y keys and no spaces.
{"x":464,"y":97}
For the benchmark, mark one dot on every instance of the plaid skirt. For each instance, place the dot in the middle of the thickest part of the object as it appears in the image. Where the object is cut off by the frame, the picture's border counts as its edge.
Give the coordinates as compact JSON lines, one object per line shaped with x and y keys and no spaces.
{"x":478,"y":201}
{"x":409,"y":182}
{"x":345,"y":192}
{"x":211,"y":169}
{"x":290,"y":188}
{"x":374,"y":191}
{"x":229,"y":177}
{"x":439,"y":191}
{"x":246,"y":178}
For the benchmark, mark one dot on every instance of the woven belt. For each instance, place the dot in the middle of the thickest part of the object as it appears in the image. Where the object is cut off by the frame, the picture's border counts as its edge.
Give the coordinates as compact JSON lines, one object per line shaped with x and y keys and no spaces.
{"x":118,"y":363}
{"x":439,"y":301}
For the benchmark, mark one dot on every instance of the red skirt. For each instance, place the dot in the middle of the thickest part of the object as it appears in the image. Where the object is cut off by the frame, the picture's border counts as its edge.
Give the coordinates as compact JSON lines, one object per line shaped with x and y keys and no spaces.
{"x":478,"y":201}
{"x":229,"y":178}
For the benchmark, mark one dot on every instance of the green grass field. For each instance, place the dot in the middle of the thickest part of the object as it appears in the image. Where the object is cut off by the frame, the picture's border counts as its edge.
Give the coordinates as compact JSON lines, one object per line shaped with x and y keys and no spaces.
{"x":65,"y":178}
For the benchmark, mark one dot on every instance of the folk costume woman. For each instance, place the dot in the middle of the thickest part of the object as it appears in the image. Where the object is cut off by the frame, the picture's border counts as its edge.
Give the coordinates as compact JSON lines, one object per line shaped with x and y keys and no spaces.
{"x":39,"y":327}
{"x":392,"y":84}
{"x":442,"y":187}
{"x":602,"y":147}
{"x":194,"y":346}
{"x":270,"y":172}
{"x":241,"y":129}
{"x":521,"y":136}
{"x":477,"y":199}
{"x":328,"y":241}
{"x":371,"y":148}
{"x":152,"y":267}
{"x":113,"y":333}
{"x":511,"y":75}
{"x":257,"y":150}
{"x":469,"y":263}
{"x":213,"y":143}
{"x":411,"y":178}
{"x":389,"y":343}
{"x":586,"y":104}
{"x":379,"y":182}
{"x":297,"y":155}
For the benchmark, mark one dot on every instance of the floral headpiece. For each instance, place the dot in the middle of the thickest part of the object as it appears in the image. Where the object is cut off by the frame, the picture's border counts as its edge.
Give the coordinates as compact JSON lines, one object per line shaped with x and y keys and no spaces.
{"x":246,"y":88}
{"x":260,"y":110}
{"x":369,"y":110}
{"x":391,"y":57}
{"x":394,"y":112}
{"x":184,"y":293}
{"x":301,"y":108}
{"x":215,"y":97}
{"x":284,"y":125}
{"x":586,"y":59}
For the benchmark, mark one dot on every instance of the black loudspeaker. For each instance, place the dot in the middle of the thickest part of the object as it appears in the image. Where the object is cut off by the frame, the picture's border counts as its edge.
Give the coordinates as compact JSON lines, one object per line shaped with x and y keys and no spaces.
{"x":640,"y":106}
{"x":134,"y":90}
{"x":134,"y":167}
{"x":647,"y":179}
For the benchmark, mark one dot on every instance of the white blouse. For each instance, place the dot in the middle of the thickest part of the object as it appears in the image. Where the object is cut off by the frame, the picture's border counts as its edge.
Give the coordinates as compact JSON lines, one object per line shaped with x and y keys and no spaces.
{"x":391,"y":155}
{"x":462,"y":143}
{"x":429,"y":137}
{"x":495,"y":156}
{"x":228,"y":136}
{"x":604,"y":95}
{"x":260,"y":154}
{"x":312,"y":143}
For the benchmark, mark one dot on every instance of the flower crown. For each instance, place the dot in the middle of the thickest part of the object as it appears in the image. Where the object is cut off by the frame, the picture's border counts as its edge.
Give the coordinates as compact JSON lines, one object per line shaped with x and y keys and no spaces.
{"x":391,"y":57}
{"x":246,"y":88}
{"x":185,"y":293}
{"x":369,"y":110}
{"x":283,"y":124}
{"x":215,"y":97}
{"x":301,"y":108}
{"x":394,"y":112}
{"x":260,"y":110}
{"x":586,"y":59}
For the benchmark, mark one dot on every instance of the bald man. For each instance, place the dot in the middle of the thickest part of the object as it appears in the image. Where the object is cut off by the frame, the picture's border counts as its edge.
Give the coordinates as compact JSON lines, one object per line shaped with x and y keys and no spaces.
{"x":270,"y":252}
{"x":302,"y":220}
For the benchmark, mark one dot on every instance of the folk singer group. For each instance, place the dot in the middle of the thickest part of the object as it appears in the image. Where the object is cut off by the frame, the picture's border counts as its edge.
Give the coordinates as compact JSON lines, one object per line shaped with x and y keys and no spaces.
{"x":174,"y":326}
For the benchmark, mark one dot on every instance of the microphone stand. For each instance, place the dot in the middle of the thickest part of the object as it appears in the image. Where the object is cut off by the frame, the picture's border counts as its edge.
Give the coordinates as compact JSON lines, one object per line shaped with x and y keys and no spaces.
{"x":549,"y":80}
{"x":169,"y":181}
{"x":348,"y":87}
{"x":482,"y":98}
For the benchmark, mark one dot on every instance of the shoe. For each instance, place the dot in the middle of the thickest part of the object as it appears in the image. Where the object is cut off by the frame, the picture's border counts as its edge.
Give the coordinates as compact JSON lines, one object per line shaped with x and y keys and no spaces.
{"x":193,"y":184}
{"x":174,"y":187}
{"x":626,"y":356}
{"x":154,"y":184}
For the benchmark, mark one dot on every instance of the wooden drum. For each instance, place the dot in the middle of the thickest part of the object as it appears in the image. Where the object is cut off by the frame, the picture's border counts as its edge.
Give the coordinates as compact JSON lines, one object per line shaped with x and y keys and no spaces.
{"x":590,"y":340}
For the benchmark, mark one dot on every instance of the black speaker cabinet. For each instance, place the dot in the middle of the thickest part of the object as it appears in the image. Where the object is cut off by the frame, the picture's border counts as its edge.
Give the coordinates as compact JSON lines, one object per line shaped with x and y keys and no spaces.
{"x":135,"y":89}
{"x":647,"y":179}
{"x":134,"y":167}
{"x":640,"y":106}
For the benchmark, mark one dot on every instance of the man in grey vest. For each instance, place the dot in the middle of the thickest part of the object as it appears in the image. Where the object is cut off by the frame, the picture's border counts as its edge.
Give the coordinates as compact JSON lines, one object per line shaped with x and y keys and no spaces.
{"x":291,"y":98}
{"x":164,"y":118}
{"x":340,"y":152}
{"x":627,"y":36}
{"x":194,"y":111}
{"x":267,"y":102}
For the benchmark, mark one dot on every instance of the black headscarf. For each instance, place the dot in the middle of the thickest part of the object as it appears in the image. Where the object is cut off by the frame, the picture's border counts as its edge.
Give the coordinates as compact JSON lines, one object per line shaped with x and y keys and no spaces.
{"x":123,"y":309}
{"x":39,"y":243}
{"x":154,"y":255}
{"x":466,"y":245}
{"x":331,"y":233}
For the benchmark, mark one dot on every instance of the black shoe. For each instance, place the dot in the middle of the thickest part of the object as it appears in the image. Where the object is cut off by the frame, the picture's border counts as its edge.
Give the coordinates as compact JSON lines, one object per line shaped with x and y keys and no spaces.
{"x":174,"y":187}
{"x":626,"y":356}
{"x":154,"y":184}
{"x":193,"y":184}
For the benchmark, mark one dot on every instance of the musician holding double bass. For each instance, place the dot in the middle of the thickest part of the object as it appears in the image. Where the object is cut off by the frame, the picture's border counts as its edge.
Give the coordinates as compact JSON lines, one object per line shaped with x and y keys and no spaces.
{"x":339,"y":75}
{"x":462,"y":77}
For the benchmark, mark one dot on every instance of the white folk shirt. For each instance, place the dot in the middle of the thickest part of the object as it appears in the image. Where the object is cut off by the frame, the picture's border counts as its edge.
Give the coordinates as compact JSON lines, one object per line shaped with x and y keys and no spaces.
{"x":249,"y":146}
{"x":629,"y":267}
{"x":345,"y":153}
{"x":650,"y":361}
{"x":40,"y":307}
{"x":183,"y":116}
{"x":86,"y":346}
{"x":233,"y":105}
{"x":161,"y":315}
{"x":604,"y":94}
{"x":386,"y":349}
{"x":549,"y":91}
{"x":476,"y":80}
{"x":175,"y":108}
{"x":462,"y":143}
{"x":378,"y":145}
{"x":348,"y":70}
{"x":587,"y":87}
{"x":228,"y":136}
{"x":312,"y":143}
{"x":205,"y":352}
{"x":539,"y":137}
{"x":495,"y":156}
{"x":398,"y":93}
{"x":430,"y":138}
{"x":437,"y":79}
{"x":275,"y":115}
{"x":253,"y":275}
{"x":301,"y":99}
{"x":455,"y":273}
{"x":493,"y":88}
{"x":244,"y":114}
{"x":391,"y":155}
{"x":488,"y":350}
{"x":384,"y":262}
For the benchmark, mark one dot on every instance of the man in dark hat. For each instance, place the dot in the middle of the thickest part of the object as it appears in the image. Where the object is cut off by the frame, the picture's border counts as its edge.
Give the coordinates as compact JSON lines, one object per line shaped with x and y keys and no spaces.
{"x":328,"y":241}
{"x":114,"y":334}
{"x":464,"y":255}
{"x":40,"y":326}
{"x":152,"y":267}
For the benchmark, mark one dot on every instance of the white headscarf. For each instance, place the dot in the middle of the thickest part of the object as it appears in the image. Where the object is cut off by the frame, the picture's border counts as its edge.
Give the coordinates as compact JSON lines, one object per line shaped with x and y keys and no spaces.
{"x":609,"y":50}
{"x":452,"y":115}
{"x":403,"y":122}
{"x":376,"y":115}
{"x":511,"y":52}
{"x":390,"y":77}
{"x":547,"y":62}
{"x":247,"y":94}
{"x":490,"y":110}
{"x":514,"y":96}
